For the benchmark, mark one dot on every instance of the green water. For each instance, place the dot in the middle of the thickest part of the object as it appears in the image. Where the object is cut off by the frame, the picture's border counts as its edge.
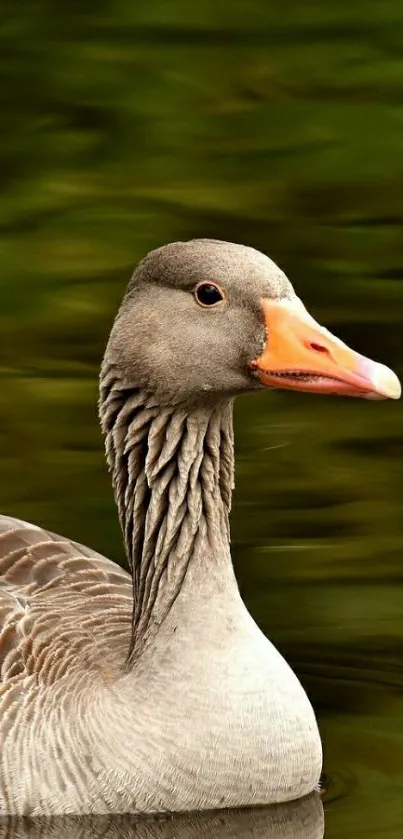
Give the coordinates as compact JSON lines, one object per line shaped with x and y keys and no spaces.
{"x":130,"y":124}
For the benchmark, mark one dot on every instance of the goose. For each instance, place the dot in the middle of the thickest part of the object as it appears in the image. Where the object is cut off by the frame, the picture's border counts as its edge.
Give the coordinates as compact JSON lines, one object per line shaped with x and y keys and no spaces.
{"x":302,"y":819}
{"x":156,"y":691}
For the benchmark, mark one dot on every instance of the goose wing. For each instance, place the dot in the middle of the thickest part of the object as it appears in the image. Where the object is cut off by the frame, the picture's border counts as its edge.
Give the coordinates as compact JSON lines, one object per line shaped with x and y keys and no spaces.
{"x":62,"y":607}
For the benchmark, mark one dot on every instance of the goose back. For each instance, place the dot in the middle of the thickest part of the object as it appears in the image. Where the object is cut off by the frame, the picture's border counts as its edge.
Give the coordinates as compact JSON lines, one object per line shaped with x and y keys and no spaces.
{"x":59,"y":602}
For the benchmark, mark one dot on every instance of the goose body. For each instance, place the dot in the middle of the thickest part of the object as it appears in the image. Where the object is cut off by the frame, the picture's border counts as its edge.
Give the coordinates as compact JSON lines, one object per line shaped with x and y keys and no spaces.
{"x":156,"y":691}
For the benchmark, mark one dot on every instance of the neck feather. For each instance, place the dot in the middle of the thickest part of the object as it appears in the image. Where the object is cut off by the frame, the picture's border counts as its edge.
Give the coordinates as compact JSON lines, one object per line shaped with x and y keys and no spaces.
{"x":172,"y":473}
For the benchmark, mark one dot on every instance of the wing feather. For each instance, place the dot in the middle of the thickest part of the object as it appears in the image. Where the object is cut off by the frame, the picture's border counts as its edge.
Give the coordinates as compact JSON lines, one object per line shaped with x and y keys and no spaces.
{"x":62,"y":607}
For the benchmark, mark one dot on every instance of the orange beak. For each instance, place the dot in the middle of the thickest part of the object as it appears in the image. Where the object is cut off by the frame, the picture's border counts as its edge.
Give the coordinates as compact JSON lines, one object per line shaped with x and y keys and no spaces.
{"x":302,"y":355}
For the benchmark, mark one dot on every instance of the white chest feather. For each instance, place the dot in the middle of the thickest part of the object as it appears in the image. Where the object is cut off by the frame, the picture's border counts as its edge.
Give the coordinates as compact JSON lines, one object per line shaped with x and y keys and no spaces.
{"x":240,"y":731}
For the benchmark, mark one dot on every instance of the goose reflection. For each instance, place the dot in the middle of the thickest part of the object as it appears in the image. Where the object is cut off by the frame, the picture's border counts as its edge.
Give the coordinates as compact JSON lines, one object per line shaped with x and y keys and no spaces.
{"x":301,"y":819}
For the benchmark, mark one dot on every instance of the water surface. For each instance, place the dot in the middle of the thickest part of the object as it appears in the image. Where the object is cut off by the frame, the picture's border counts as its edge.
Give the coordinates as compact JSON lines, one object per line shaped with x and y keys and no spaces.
{"x":281,"y":128}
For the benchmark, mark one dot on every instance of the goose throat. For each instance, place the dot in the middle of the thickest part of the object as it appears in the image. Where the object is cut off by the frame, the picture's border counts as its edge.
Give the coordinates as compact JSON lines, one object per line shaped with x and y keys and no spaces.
{"x":173,"y":473}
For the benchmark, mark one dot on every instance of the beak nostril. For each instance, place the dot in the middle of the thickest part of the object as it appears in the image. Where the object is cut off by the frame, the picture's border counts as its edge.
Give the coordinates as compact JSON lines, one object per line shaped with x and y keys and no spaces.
{"x":318,"y":347}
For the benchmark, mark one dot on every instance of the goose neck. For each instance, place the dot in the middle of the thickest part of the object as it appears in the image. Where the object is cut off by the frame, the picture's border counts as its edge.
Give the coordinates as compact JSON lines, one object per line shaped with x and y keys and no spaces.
{"x":172,"y":473}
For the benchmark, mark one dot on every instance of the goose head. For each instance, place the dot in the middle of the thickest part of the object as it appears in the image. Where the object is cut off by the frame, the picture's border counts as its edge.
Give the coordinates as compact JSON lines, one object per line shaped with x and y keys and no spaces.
{"x":208,"y":319}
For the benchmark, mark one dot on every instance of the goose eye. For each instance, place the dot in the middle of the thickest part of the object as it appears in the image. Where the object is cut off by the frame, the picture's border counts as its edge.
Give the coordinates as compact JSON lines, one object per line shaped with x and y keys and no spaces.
{"x":209,"y":294}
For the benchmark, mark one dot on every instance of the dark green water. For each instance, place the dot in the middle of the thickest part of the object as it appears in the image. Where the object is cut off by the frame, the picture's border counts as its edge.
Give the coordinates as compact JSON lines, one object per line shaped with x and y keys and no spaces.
{"x":281,"y":126}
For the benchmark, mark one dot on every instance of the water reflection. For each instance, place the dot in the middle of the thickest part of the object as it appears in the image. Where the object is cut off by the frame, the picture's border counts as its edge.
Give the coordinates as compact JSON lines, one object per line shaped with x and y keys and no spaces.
{"x":296,"y":820}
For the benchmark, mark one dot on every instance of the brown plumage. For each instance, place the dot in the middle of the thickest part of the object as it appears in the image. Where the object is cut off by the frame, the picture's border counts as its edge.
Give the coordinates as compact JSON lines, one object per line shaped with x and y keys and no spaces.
{"x":44,"y":581}
{"x":157,"y":691}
